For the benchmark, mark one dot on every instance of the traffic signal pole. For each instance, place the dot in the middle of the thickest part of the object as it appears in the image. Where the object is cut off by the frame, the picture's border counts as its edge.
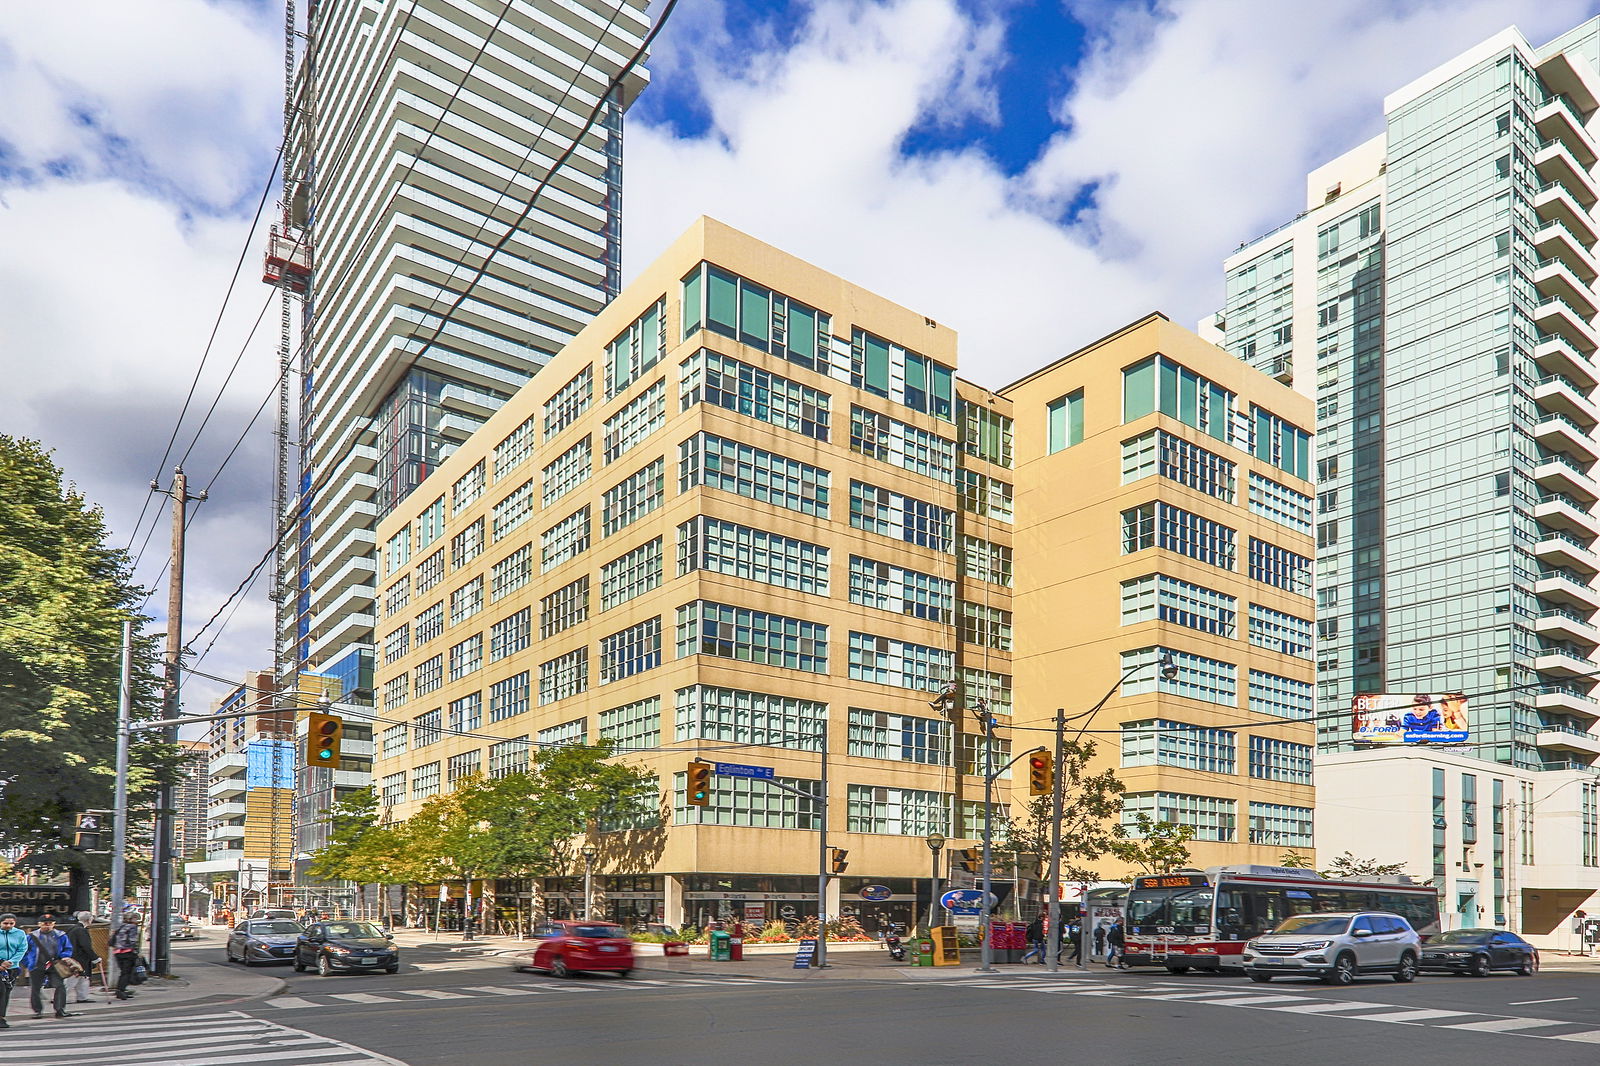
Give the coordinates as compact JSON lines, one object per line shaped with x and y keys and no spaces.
{"x":119,"y":846}
{"x":824,"y":866}
{"x":1052,"y":948}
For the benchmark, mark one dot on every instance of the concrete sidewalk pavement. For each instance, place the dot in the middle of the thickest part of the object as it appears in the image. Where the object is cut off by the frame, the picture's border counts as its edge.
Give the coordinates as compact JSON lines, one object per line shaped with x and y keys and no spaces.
{"x":192,"y":980}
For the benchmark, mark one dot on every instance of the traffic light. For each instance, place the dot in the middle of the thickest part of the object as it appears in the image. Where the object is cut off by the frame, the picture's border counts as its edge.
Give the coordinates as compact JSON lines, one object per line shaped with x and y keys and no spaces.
{"x":1041,"y":774}
{"x":324,"y":734}
{"x":86,"y":832}
{"x":971,"y":859}
{"x":838,"y":864}
{"x":699,"y":784}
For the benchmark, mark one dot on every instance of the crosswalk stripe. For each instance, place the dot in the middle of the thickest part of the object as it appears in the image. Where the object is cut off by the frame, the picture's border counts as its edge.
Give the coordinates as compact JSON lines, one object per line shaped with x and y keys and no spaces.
{"x":1255,"y":1001}
{"x":289,"y":1002}
{"x":500,"y":990}
{"x":1328,"y":1008}
{"x":233,"y":1039}
{"x":1592,"y":1036}
{"x":429,"y":993}
{"x":88,"y":1040}
{"x":1415,"y":1015}
{"x":1504,"y":1025}
{"x":361,"y":997}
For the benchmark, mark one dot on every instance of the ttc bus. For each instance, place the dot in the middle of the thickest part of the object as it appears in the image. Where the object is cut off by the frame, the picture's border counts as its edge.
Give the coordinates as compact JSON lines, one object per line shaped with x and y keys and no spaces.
{"x":1191,"y":920}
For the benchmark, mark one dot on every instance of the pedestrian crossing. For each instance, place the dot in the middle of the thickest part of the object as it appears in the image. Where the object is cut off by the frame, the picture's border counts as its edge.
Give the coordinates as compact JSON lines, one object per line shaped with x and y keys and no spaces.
{"x":232,"y":1038}
{"x":1231,"y":995}
{"x":532,"y":988}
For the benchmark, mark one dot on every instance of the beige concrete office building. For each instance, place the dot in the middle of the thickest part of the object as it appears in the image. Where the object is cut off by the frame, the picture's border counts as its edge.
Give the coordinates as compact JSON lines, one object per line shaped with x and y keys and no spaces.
{"x":1163,"y":510}
{"x":751,"y":501}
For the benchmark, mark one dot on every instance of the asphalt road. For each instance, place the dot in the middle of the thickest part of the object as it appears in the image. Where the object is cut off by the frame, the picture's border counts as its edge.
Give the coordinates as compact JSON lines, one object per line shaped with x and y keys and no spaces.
{"x":446,"y":1010}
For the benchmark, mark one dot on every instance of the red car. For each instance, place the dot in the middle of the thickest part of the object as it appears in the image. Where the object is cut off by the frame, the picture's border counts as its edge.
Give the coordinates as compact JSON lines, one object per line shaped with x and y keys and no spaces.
{"x":566,"y":948}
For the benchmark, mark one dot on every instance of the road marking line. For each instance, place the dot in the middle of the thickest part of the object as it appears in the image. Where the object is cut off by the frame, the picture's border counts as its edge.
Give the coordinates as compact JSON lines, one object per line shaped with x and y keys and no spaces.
{"x":501,"y":990}
{"x":428,"y":993}
{"x":361,"y":997}
{"x":1255,"y":1001}
{"x":84,"y":1041}
{"x":1415,"y":1015}
{"x":1591,"y":1036}
{"x":290,"y":1003}
{"x":1529,"y":1002}
{"x":1503,"y":1025}
{"x":1326,"y":1008}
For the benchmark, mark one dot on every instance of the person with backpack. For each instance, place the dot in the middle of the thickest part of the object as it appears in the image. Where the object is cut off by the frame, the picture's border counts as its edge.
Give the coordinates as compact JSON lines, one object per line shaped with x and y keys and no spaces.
{"x":1115,"y":940}
{"x":49,"y":959}
{"x":83,"y":954}
{"x":125,"y":949}
{"x":1035,"y":935}
{"x":13,"y":953}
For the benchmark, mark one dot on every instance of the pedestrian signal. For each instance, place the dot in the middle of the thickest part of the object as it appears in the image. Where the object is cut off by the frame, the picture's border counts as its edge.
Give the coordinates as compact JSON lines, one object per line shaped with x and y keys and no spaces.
{"x":699,"y":784}
{"x":1041,"y":774}
{"x":971,"y":859}
{"x":86,"y":832}
{"x":324,"y":735}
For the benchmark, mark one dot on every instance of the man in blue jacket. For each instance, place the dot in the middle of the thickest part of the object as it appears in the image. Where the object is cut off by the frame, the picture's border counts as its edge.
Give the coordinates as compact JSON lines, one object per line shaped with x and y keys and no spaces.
{"x":13,"y":953}
{"x":46,"y":947}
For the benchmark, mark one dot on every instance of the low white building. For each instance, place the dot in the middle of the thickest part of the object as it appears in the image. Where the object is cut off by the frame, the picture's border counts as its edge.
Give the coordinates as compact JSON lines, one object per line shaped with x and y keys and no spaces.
{"x":1517,"y":849}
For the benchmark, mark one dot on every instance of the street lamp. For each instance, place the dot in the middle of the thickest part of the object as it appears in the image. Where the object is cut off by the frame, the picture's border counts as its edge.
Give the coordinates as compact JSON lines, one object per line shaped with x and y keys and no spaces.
{"x":935,"y":842}
{"x":589,"y":851}
{"x":1052,"y":961}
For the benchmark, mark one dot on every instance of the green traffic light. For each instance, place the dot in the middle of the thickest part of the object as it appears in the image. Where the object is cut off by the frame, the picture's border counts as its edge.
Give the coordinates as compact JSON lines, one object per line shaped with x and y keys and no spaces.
{"x":325,"y":754}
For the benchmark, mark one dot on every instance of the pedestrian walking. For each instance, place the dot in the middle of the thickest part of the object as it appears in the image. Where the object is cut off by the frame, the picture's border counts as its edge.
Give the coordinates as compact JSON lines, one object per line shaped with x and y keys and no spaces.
{"x":49,"y":960}
{"x":125,"y":949}
{"x":13,"y":953}
{"x":1035,"y":935}
{"x":1114,"y":944}
{"x":1077,"y":943}
{"x":1100,"y":939}
{"x":83,"y":954}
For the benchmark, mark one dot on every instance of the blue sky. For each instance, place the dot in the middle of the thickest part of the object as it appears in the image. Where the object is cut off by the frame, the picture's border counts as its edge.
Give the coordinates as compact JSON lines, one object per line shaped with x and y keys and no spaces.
{"x":1032,"y":173}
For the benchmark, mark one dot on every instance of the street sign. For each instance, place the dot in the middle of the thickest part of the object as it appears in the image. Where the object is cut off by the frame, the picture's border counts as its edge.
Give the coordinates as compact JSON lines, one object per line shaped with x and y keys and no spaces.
{"x":737,"y":769}
{"x":876,"y":892}
{"x":963,"y":901}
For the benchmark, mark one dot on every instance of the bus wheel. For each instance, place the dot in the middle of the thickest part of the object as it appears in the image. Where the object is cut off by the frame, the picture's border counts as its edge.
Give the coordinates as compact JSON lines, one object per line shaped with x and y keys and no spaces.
{"x":1177,"y":969}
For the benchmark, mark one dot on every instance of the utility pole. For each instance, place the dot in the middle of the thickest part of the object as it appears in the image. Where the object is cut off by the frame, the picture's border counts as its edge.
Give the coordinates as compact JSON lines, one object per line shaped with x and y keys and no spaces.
{"x":119,"y":845}
{"x":1052,"y":948}
{"x":985,"y":929}
{"x":162,"y":851}
{"x":819,"y":959}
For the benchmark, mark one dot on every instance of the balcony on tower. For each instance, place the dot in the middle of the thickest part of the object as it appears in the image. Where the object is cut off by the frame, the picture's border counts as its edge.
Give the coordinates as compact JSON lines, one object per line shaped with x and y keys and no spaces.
{"x":1557,"y":510}
{"x":1570,"y":699}
{"x":1563,"y":661}
{"x":1555,"y":162}
{"x":288,"y":262}
{"x":1560,"y":394}
{"x":1561,"y":434}
{"x":1554,"y":585}
{"x":1567,"y":627}
{"x":1557,"y":474}
{"x":1569,"y":553}
{"x":1555,"y":355}
{"x":1558,"y":119}
{"x":1555,"y":315}
{"x":1568,"y":738}
{"x":1555,"y":277}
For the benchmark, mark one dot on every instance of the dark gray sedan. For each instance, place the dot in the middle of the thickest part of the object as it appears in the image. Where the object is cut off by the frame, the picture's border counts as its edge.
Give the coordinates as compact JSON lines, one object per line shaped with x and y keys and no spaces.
{"x":263,"y":940}
{"x":1478,"y":952}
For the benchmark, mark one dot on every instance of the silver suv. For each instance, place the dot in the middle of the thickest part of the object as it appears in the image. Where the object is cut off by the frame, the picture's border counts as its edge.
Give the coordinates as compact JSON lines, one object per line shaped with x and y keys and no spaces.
{"x":1335,"y":947}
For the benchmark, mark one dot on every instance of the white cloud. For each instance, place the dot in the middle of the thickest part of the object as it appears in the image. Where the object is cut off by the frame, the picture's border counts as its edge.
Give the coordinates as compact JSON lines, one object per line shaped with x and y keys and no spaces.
{"x":1192,"y":125}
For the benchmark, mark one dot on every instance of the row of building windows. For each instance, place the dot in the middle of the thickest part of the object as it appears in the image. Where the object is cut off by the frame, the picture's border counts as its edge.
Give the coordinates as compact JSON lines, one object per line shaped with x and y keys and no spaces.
{"x":1216,"y":819}
{"x":1198,"y":677}
{"x":1164,"y":742}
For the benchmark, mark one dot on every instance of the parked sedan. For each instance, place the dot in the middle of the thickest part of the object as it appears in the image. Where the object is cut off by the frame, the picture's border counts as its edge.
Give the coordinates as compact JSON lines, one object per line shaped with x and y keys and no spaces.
{"x":263,"y":940}
{"x":344,"y":946}
{"x":1479,"y":951}
{"x":566,"y":948}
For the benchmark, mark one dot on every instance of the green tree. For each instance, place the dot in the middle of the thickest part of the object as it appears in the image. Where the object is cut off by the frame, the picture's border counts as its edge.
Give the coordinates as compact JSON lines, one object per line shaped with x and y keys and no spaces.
{"x":64,"y":594}
{"x":1091,"y":804}
{"x":1153,"y":847}
{"x":1295,"y":861}
{"x":1348,"y":866}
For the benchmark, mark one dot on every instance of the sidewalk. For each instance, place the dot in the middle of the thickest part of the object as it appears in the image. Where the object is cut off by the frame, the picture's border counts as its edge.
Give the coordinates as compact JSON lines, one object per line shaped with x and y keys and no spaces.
{"x":192,"y":980}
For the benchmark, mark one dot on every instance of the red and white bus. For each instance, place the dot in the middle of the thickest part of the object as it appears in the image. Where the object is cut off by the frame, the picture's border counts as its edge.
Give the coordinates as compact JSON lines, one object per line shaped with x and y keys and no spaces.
{"x":1200,"y":921}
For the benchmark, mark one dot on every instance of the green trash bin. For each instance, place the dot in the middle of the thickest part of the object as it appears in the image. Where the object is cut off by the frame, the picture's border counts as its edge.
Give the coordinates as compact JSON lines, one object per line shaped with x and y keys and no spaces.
{"x":923,"y":948}
{"x":721,"y":949}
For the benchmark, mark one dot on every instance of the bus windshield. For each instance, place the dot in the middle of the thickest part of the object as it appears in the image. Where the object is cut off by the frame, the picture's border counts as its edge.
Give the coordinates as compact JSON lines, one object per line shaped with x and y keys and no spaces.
{"x":1176,"y":910}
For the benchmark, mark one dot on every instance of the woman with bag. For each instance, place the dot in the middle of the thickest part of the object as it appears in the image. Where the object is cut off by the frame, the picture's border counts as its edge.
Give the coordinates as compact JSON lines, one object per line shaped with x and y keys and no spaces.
{"x":125,"y":949}
{"x":13,"y":952}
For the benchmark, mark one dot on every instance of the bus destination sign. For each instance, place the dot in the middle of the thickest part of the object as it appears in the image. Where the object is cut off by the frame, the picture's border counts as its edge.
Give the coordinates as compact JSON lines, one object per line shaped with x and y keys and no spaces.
{"x":1172,"y":881}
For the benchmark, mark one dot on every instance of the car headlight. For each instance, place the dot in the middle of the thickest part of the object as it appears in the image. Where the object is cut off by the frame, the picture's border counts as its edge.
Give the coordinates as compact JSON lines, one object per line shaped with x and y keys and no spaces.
{"x":337,"y":950}
{"x":1316,"y":945}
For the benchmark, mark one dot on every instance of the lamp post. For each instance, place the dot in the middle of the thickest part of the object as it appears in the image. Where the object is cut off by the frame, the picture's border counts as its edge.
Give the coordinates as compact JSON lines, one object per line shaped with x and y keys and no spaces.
{"x":1052,"y":951}
{"x":935,"y":842}
{"x":589,"y":851}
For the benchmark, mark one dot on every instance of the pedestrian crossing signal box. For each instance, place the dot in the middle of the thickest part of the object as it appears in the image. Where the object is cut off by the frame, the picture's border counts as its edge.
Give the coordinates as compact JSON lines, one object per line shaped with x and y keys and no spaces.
{"x":324,"y":735}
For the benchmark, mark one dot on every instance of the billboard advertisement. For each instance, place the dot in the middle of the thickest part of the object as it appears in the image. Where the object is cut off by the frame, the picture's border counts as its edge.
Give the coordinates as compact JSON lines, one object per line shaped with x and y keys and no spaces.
{"x":1409,"y":718}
